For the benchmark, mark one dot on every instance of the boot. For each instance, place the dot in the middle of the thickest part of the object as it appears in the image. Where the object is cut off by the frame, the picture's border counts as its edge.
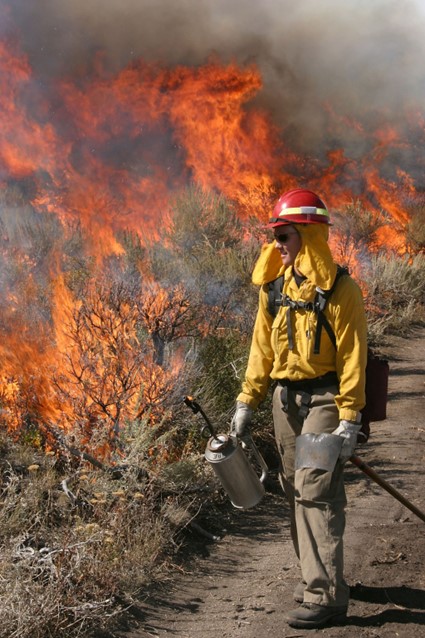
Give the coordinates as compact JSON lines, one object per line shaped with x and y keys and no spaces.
{"x":312,"y":616}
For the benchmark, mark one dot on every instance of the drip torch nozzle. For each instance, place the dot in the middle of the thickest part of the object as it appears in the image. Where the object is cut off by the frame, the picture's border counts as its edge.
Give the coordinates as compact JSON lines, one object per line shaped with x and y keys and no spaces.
{"x":208,"y":429}
{"x":191,"y":403}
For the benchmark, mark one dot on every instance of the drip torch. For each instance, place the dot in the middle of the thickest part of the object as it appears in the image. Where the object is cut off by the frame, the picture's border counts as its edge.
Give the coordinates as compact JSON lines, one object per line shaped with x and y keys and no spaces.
{"x":230,"y":463}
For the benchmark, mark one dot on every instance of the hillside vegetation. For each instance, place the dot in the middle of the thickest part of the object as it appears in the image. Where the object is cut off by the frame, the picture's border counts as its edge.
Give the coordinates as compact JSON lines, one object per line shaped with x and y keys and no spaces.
{"x":101,"y":462}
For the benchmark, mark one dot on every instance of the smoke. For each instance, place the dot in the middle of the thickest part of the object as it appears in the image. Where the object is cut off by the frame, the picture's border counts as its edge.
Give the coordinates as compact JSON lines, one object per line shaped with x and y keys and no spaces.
{"x":363,"y":59}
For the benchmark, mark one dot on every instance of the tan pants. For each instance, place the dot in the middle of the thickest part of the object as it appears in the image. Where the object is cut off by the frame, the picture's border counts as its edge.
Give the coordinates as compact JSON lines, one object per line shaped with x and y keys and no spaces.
{"x":317,"y":497}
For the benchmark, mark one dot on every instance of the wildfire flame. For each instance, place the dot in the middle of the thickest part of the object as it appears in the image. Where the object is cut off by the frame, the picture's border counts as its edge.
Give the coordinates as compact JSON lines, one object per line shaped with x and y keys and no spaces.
{"x":109,"y":150}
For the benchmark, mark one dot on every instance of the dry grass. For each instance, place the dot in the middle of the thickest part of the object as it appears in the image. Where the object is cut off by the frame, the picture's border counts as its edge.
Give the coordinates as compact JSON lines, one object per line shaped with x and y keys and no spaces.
{"x":77,"y":543}
{"x":395,"y":295}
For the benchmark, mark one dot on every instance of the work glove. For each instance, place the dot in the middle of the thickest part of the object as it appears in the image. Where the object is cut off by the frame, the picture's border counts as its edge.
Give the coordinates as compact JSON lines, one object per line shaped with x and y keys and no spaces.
{"x":241,"y":421}
{"x":349,"y":431}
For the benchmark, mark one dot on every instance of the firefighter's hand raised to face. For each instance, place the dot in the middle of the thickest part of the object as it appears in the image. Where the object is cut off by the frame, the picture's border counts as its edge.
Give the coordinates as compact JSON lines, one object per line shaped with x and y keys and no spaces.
{"x":241,"y":421}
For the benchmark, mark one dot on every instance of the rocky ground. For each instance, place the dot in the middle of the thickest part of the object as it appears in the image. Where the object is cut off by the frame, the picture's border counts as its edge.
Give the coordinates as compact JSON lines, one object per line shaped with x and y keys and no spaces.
{"x":242,"y":584}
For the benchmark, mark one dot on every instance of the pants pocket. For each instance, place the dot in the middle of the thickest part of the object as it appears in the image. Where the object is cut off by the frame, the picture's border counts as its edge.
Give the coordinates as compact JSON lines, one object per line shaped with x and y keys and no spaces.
{"x":319,"y":487}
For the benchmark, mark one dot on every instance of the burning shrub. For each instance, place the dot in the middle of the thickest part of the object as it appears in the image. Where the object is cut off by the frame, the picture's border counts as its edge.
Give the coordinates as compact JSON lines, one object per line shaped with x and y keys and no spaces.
{"x":207,"y":247}
{"x":415,"y":230}
{"x":355,"y":233}
{"x":96,"y":355}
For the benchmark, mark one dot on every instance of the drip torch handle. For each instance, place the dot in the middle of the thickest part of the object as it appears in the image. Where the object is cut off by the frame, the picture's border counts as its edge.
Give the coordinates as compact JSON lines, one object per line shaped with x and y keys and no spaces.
{"x":208,"y":429}
{"x":264,"y":467}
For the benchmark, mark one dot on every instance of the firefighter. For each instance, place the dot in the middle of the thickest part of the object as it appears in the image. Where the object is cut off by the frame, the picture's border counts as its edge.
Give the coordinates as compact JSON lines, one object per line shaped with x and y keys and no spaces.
{"x":318,"y":381}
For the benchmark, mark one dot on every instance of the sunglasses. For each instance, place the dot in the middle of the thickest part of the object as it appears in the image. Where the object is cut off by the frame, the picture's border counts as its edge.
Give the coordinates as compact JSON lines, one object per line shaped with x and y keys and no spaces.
{"x":283,"y":238}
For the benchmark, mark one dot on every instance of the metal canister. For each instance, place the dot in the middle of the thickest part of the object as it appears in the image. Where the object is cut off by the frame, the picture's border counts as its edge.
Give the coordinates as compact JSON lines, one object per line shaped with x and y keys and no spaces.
{"x":234,"y":471}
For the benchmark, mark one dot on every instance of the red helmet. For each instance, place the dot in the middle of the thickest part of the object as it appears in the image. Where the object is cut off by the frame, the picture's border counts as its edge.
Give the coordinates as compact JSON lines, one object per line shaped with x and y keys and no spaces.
{"x":299,"y":206}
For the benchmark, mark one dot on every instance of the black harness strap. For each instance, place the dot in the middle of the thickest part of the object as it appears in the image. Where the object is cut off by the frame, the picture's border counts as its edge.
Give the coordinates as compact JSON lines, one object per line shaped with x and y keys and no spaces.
{"x":306,"y":388}
{"x":322,"y":322}
{"x":293,"y":305}
{"x":320,"y":301}
{"x":289,"y":328}
{"x":275,"y":293}
{"x":276,"y":299}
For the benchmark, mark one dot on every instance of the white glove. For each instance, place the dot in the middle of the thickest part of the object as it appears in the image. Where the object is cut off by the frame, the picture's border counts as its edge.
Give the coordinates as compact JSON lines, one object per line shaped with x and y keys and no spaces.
{"x":349,"y":431}
{"x":241,"y":420}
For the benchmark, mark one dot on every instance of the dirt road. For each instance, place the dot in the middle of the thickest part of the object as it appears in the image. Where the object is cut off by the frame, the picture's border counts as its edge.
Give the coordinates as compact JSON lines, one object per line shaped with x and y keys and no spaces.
{"x":242,"y":585}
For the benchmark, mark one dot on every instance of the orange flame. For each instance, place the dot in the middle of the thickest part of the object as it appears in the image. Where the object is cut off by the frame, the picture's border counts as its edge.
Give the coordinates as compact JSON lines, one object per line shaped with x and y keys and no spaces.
{"x":109,"y":150}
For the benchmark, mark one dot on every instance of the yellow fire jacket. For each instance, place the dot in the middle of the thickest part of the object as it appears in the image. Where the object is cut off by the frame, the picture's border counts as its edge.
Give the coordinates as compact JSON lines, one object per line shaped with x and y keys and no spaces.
{"x":270,"y":358}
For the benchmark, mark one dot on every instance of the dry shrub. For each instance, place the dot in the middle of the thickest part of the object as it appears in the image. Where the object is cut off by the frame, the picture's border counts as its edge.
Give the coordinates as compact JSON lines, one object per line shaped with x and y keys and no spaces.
{"x":395,"y":294}
{"x":354,"y":232}
{"x":78,"y":544}
{"x":415,"y":229}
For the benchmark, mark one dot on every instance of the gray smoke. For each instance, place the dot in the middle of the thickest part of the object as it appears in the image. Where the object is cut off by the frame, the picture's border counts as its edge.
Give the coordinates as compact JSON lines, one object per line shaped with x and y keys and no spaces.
{"x":364,"y":58}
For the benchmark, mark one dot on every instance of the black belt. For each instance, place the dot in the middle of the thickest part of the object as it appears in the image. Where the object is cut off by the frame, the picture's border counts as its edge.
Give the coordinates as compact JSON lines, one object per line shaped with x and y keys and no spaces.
{"x":309,"y":385}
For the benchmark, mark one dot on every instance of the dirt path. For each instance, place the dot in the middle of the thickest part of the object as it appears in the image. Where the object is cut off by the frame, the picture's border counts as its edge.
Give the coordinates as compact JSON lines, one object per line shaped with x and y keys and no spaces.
{"x":243,"y":584}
